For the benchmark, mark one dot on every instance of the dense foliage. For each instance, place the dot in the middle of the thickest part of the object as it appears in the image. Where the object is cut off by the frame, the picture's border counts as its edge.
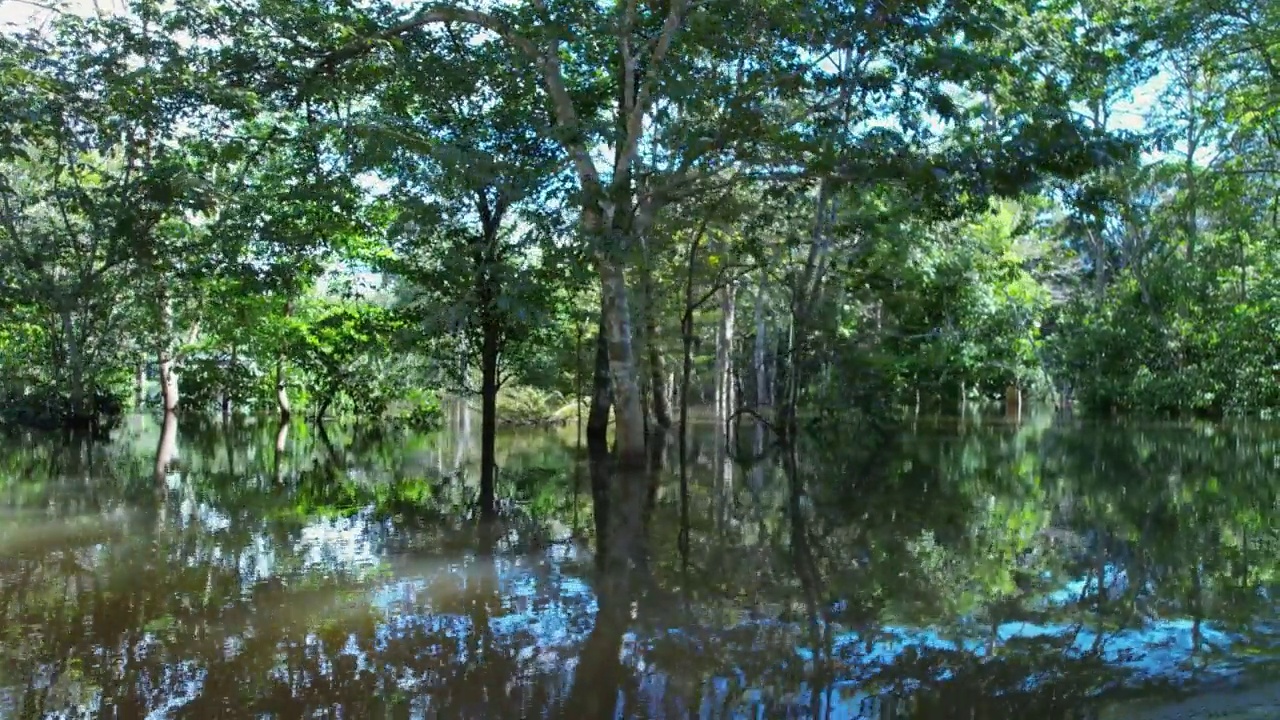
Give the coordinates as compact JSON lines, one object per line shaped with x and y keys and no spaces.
{"x":350,"y":208}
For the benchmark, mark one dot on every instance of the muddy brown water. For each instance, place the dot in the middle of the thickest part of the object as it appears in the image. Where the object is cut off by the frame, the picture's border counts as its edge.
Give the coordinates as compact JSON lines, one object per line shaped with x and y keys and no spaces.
{"x":1045,"y":570}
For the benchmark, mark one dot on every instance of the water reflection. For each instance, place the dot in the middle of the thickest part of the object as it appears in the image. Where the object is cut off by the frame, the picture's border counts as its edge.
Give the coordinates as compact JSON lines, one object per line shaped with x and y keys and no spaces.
{"x":993,"y":572}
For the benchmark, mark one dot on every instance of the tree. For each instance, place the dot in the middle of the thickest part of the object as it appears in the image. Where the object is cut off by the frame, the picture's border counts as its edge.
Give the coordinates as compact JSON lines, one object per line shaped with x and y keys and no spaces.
{"x":462,"y":162}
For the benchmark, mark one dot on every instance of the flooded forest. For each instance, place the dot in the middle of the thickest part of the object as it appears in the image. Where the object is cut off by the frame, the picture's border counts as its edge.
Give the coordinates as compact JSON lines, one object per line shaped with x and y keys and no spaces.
{"x":840,"y":359}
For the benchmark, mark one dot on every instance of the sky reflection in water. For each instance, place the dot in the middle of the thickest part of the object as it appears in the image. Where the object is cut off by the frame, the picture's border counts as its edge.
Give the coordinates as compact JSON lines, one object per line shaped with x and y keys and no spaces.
{"x":958,"y":575}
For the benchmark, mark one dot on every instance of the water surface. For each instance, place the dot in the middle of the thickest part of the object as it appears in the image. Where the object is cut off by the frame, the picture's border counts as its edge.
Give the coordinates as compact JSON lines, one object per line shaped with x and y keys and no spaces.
{"x":978,"y":570}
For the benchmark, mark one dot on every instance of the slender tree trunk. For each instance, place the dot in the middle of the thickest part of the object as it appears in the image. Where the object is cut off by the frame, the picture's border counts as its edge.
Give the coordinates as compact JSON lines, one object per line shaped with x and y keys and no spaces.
{"x":659,"y":391}
{"x":1193,"y":138}
{"x":761,"y":375}
{"x":140,"y":385}
{"x":282,"y":381}
{"x":233,"y":363}
{"x":686,"y":379}
{"x":601,"y":392}
{"x":282,"y":390}
{"x":462,"y":436}
{"x":75,"y":365}
{"x":282,"y":440}
{"x":489,"y":417}
{"x":761,"y":382}
{"x":166,"y":360}
{"x":577,"y":386}
{"x":325,"y":404}
{"x":725,"y":402}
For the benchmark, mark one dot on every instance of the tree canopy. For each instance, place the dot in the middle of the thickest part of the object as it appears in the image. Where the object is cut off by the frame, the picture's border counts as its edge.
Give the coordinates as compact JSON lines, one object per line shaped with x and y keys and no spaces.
{"x":309,"y":206}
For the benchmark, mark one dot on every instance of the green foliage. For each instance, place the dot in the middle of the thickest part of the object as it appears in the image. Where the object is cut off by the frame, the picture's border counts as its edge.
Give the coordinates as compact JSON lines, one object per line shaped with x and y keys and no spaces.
{"x":395,"y":202}
{"x":340,"y":346}
{"x":524,"y":405}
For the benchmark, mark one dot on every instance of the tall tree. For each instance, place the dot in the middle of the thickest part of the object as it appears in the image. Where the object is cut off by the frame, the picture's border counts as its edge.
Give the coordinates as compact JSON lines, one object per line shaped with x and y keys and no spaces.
{"x":470,"y":172}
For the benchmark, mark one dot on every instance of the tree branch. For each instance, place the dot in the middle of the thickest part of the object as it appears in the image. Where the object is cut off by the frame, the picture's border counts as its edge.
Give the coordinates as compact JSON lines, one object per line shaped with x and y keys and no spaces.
{"x":628,"y":60}
{"x":644,"y":98}
{"x":548,"y":64}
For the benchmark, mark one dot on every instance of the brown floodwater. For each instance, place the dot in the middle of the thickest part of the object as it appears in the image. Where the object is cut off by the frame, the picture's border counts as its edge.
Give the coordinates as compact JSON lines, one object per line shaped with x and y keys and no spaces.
{"x":1050,"y":570}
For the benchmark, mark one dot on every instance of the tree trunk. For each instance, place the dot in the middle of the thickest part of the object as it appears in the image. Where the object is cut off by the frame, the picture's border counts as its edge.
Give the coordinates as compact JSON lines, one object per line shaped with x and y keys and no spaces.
{"x":686,"y":379}
{"x":725,"y":403}
{"x":323,"y":410}
{"x":282,"y":439}
{"x":167,"y":358}
{"x":659,"y":391}
{"x":628,"y":412}
{"x":488,"y":417}
{"x":233,"y":363}
{"x":140,"y":386}
{"x":282,"y":390}
{"x":762,"y":382}
{"x":601,"y":393}
{"x":75,"y":365}
{"x":282,"y":385}
{"x":168,"y":447}
{"x":577,"y":385}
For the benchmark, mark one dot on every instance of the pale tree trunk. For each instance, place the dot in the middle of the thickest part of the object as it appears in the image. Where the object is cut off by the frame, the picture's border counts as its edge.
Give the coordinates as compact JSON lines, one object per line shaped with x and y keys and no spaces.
{"x":762,"y":383}
{"x":282,"y":385}
{"x":628,"y":411}
{"x":460,"y":424}
{"x":282,"y":390}
{"x":75,"y":365}
{"x":168,"y":381}
{"x":282,"y":440}
{"x":166,"y":357}
{"x":725,"y":402}
{"x":168,"y":447}
{"x":762,"y":380}
{"x":601,"y":200}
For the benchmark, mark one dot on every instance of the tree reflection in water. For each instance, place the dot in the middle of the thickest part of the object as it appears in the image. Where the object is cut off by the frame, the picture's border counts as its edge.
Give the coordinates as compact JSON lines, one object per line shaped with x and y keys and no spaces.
{"x":979,"y":572}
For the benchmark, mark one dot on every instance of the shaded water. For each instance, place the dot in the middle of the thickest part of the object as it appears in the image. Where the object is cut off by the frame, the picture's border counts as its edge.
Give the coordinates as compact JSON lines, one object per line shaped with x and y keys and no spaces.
{"x":990,"y":571}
